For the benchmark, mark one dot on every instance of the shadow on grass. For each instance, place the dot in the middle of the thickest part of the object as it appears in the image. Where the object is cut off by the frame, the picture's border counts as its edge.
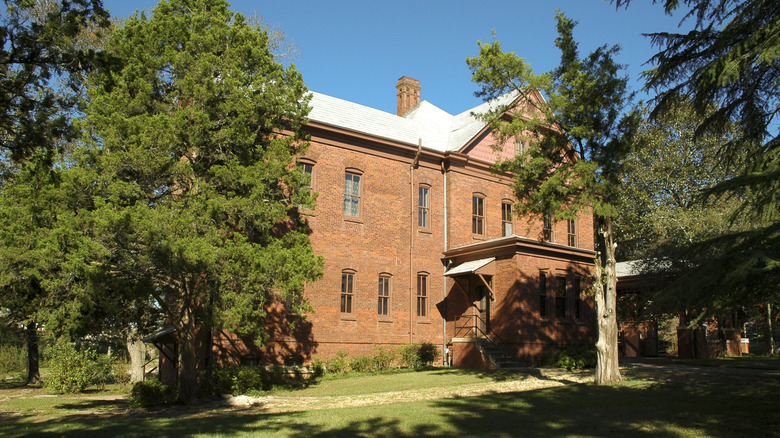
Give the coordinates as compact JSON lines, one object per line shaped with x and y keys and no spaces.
{"x":94,"y":404}
{"x":652,"y":403}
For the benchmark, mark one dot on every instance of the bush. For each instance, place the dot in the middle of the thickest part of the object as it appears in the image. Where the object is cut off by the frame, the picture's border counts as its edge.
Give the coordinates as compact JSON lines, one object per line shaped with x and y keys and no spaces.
{"x":418,"y":355}
{"x":571,"y":358}
{"x":338,"y":364}
{"x":249,"y":378}
{"x":384,"y":358}
{"x":152,"y":393}
{"x":71,"y":370}
{"x":13,"y":359}
{"x":362,"y":364}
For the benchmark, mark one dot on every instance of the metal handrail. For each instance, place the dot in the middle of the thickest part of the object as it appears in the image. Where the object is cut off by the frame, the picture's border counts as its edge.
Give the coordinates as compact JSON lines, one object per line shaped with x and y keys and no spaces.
{"x":477,"y":329}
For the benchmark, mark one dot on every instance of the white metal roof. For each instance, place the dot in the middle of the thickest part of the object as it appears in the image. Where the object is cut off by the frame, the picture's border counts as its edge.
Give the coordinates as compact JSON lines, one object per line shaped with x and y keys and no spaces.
{"x":469,"y":267}
{"x":438,"y":130}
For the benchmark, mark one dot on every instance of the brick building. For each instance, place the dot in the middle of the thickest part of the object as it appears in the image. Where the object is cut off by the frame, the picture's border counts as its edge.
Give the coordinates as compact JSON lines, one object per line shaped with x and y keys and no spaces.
{"x":421,"y":244}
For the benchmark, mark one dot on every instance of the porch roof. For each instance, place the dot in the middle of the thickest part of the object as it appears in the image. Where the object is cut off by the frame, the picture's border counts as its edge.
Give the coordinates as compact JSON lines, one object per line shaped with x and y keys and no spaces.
{"x":470,"y":267}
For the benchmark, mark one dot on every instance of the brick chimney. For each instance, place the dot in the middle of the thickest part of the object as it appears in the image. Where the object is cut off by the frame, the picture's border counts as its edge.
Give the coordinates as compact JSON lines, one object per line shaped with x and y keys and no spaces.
{"x":408,"y":94}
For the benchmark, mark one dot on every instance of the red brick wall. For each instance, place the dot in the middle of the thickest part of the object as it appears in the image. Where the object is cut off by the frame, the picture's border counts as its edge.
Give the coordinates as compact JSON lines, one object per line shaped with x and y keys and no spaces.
{"x":514,"y":313}
{"x":384,"y":239}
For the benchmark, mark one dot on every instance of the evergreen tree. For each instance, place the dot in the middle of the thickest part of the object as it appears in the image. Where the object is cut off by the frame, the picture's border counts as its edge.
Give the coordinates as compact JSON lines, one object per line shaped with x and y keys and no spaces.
{"x":730,"y":61}
{"x":190,"y":171}
{"x":578,"y":139}
{"x":41,"y":61}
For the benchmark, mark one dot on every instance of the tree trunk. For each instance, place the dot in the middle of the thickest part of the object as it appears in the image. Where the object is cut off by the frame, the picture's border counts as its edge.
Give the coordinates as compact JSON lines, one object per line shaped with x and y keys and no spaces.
{"x":33,"y":364}
{"x":607,"y":366}
{"x":136,"y":349}
{"x":771,"y":331}
{"x":189,"y":391}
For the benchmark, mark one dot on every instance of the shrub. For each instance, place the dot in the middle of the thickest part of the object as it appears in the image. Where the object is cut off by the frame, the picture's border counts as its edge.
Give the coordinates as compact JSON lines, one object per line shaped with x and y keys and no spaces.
{"x":13,"y":359}
{"x":427,"y":353}
{"x":338,"y":364}
{"x":571,"y":358}
{"x":362,"y":364}
{"x":249,"y":378}
{"x":71,"y":370}
{"x":384,"y":358}
{"x":418,"y":355}
{"x":152,"y":393}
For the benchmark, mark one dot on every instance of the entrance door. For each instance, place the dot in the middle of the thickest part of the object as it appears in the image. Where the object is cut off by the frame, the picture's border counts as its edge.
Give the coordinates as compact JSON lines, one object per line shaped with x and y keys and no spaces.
{"x":484,"y":310}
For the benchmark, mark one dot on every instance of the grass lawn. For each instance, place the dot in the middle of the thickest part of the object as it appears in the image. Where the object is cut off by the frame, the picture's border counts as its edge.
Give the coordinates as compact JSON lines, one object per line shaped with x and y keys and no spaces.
{"x":653,"y":402}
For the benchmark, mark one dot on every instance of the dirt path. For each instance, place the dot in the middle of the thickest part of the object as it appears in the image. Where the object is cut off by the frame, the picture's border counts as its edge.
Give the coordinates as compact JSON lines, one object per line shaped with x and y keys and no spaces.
{"x":544,"y":379}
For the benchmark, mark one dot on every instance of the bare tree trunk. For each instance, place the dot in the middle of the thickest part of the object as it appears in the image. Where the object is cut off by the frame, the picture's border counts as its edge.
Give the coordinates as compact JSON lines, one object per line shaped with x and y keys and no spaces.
{"x":136,"y":349}
{"x":189,"y":391}
{"x":33,"y":357}
{"x":771,"y":332}
{"x":607,"y":366}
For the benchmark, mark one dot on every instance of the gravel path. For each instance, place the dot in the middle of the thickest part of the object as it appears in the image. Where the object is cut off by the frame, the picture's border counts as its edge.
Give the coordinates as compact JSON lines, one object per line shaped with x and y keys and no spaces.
{"x":543,"y":379}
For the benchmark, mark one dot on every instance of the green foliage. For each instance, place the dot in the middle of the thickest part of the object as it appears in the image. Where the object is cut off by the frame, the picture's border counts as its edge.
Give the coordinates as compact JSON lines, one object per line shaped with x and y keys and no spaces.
{"x":575,"y":120}
{"x":249,"y":380}
{"x":570,"y":168}
{"x":571,"y":358}
{"x":13,"y":359}
{"x":727,"y":66}
{"x":418,"y":355}
{"x":72,"y":370}
{"x":42,"y":64}
{"x":384,"y":358}
{"x":362,"y":364}
{"x":150,"y":393}
{"x":338,"y":364}
{"x":193,"y":192}
{"x":664,"y":177}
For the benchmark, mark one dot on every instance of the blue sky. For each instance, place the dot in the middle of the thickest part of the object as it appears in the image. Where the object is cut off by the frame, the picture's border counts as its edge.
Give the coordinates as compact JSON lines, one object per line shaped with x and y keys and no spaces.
{"x":357,"y":49}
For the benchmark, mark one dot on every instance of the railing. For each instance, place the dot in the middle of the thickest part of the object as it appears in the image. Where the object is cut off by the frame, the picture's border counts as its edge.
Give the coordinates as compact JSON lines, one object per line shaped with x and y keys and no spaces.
{"x":474,"y":324}
{"x":472,"y":327}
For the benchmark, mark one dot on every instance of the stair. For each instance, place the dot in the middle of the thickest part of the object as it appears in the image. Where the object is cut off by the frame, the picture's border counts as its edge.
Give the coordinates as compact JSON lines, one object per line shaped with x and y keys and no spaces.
{"x":495,"y":354}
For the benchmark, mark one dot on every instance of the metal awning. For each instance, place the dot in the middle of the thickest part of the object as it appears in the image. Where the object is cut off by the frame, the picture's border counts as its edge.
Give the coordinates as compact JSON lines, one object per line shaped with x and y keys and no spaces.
{"x":481,"y":266}
{"x":161,"y":336}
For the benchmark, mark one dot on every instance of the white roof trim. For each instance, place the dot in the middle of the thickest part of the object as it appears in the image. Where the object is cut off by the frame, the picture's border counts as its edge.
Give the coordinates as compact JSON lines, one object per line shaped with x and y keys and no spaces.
{"x":470,"y":267}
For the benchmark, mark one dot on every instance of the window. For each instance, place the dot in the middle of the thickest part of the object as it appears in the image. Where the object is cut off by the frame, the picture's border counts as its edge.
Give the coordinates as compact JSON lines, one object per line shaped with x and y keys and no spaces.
{"x":347,"y":284}
{"x":560,"y":297}
{"x":307,"y":169}
{"x":543,"y":295}
{"x":506,"y":218}
{"x":572,"y":226}
{"x":520,"y":146}
{"x":383,"y":301}
{"x":423,"y":206}
{"x":422,"y":295}
{"x":477,"y":215}
{"x":351,"y":194}
{"x":577,"y":299}
{"x":547,"y":228}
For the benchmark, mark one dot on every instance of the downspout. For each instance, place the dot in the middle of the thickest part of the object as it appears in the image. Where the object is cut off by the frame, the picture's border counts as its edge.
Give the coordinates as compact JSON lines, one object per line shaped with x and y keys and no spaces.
{"x":412,"y":229}
{"x":444,"y":278}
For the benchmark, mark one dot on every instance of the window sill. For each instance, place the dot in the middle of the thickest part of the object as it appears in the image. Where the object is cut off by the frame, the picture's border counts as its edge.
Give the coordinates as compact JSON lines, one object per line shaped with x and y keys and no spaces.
{"x":424,"y":231}
{"x":478,"y":236}
{"x":353,"y":219}
{"x":385,"y":320}
{"x":348,"y":318}
{"x":423,"y":321}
